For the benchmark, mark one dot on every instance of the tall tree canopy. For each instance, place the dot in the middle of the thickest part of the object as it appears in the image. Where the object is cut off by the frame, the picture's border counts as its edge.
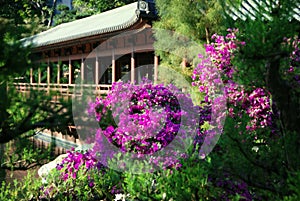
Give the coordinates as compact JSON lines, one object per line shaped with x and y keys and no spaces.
{"x":34,"y":14}
{"x":20,"y":114}
{"x":195,"y":20}
{"x":265,"y":60}
{"x":269,"y":61}
{"x":85,"y":8}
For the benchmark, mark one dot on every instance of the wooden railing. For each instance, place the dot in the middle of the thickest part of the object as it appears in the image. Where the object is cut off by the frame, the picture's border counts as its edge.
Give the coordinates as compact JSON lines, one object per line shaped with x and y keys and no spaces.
{"x":65,"y":89}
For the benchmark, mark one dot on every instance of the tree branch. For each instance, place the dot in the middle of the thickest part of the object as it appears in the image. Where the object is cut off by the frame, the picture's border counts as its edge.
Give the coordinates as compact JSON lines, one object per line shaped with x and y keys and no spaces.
{"x":252,"y":161}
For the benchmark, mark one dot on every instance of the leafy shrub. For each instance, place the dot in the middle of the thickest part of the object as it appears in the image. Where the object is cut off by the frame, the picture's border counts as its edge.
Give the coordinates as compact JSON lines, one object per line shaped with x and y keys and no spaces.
{"x":80,"y":177}
{"x":24,"y":190}
{"x":192,"y":181}
{"x":25,"y":154}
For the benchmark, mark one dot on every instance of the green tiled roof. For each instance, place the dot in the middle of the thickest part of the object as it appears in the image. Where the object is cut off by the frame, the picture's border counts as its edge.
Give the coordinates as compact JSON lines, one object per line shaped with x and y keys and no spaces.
{"x":113,"y":20}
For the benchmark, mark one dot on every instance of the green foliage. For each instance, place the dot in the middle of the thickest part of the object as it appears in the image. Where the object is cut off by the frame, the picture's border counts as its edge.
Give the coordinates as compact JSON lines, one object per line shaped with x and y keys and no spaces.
{"x":85,"y":8}
{"x":244,"y":155}
{"x":27,"y":189}
{"x":263,"y":44}
{"x":88,"y":185}
{"x":25,"y":112}
{"x":18,"y":113}
{"x":190,"y":182}
{"x":32,"y":15}
{"x":21,"y":154}
{"x":294,"y":186}
{"x":67,"y":15}
{"x":34,"y":8}
{"x":262,"y":158}
{"x":182,"y":28}
{"x":197,"y":20}
{"x":264,"y":60}
{"x":96,"y":6}
{"x":12,"y":56}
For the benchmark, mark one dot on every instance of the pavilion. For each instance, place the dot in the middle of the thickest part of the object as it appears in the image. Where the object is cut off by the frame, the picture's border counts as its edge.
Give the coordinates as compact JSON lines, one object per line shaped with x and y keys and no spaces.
{"x":98,"y":50}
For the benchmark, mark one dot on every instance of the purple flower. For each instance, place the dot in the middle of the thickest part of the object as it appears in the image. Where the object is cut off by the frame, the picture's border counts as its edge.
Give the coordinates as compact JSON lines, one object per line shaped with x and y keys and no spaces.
{"x":74,"y":175}
{"x":65,"y":176}
{"x":74,"y":161}
{"x":59,"y":166}
{"x":91,"y":184}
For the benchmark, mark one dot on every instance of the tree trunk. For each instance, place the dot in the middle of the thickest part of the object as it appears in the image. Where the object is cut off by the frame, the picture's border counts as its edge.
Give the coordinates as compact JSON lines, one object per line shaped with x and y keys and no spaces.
{"x":52,"y":13}
{"x":286,"y":102}
{"x":207,"y":35}
{"x":2,"y":171}
{"x":3,"y":103}
{"x":5,"y":135}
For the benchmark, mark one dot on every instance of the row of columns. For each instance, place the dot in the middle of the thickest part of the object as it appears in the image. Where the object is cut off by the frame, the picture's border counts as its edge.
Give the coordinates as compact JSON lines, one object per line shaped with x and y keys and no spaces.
{"x":97,"y":67}
{"x":58,"y":73}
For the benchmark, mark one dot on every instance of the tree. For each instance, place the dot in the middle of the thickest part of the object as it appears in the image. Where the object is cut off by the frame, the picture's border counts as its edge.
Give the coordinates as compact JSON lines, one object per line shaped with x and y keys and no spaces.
{"x":21,"y":113}
{"x":266,"y":58}
{"x":271,"y":60}
{"x":99,"y":6}
{"x":85,"y":8}
{"x":17,"y":113}
{"x":195,"y":20}
{"x":267,"y":71}
{"x":12,"y":54}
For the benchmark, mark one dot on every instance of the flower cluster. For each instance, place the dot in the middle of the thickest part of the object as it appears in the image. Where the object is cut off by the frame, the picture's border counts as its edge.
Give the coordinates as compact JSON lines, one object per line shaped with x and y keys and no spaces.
{"x":205,"y":117}
{"x":148,"y":108}
{"x":218,"y":64}
{"x":208,"y":79}
{"x":294,"y":60}
{"x":232,"y":188}
{"x":221,"y":52}
{"x":145,"y":119}
{"x":74,"y":160}
{"x":259,"y":109}
{"x":295,"y":55}
{"x":213,"y":70}
{"x":255,"y":103}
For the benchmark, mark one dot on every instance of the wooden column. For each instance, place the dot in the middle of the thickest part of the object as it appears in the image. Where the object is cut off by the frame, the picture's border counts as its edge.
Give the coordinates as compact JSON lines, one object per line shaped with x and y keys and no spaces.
{"x":48,"y":73}
{"x":39,"y":75}
{"x":82,"y":70}
{"x":70,"y":71}
{"x":113,"y":66}
{"x":58,"y":73}
{"x":132,"y":67}
{"x":97,"y":70}
{"x":31,"y":75}
{"x":184,"y":64}
{"x":155,"y":68}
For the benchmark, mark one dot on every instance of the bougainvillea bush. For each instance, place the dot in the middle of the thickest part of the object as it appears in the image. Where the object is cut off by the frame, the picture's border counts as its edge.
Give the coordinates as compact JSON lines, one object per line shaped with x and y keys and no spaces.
{"x":153,"y":123}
